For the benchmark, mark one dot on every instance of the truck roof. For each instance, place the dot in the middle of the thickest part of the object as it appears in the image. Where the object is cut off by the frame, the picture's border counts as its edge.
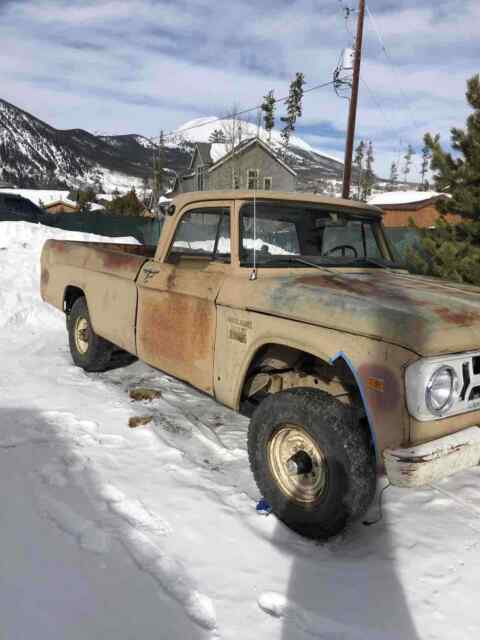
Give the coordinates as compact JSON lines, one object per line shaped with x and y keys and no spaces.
{"x":207,"y":196}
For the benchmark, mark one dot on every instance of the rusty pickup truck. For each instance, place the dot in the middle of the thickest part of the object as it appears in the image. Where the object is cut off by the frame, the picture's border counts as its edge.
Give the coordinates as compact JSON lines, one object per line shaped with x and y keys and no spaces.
{"x":292,"y":309}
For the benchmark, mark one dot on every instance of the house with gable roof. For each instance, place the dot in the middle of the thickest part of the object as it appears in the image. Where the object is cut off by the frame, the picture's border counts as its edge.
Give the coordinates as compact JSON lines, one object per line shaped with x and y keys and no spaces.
{"x":252,"y":164}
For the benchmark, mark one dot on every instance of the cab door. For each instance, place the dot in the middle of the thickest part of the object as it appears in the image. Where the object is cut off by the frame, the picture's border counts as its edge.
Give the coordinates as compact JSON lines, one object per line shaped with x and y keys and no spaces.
{"x":176,"y":319}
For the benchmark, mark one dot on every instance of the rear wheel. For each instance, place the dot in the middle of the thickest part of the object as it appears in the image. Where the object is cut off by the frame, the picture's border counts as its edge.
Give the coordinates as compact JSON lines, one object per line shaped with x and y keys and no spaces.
{"x":311,"y":462}
{"x":89,"y":351}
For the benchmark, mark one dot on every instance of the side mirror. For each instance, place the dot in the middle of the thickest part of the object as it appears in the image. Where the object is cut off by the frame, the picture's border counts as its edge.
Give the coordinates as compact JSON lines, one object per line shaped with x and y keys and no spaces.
{"x":167,"y":209}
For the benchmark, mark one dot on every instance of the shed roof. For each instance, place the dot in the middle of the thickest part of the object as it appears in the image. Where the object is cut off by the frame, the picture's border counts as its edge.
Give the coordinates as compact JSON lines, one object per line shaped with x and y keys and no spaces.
{"x":401,"y":199}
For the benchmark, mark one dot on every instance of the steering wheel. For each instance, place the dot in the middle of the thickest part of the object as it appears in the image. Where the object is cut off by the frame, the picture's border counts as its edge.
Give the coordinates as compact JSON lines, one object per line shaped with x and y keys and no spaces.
{"x":342,"y":248}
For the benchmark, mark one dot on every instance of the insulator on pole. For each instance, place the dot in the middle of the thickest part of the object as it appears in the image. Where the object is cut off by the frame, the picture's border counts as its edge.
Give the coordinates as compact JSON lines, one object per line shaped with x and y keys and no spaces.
{"x":348,"y":57}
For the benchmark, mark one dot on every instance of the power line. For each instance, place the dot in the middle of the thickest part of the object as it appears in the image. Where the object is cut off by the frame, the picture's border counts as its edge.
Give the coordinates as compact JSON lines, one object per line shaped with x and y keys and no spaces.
{"x":239,"y":113}
{"x":392,"y":64}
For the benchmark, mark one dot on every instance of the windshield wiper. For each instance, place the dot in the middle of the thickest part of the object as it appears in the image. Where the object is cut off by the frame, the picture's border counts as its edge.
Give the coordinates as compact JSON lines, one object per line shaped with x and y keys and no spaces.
{"x":291,"y":259}
{"x":375,"y":262}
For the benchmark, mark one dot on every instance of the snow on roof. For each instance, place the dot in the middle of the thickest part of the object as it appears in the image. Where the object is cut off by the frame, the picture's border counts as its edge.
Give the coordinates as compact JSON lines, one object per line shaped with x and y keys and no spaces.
{"x":403,"y":197}
{"x":218,"y":150}
{"x":40,"y":196}
{"x":201,"y":129}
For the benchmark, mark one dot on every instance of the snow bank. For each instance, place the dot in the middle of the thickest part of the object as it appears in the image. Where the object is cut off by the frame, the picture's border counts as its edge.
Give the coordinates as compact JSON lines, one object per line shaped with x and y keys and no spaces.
{"x":20,"y":249}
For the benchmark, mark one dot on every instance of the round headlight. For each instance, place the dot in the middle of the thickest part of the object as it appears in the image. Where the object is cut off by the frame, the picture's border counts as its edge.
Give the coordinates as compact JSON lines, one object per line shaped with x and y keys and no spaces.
{"x":442,"y":390}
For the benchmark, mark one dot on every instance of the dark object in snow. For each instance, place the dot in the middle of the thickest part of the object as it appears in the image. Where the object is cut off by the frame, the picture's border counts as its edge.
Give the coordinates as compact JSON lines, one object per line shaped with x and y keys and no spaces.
{"x":142,"y":393}
{"x":263,"y":508}
{"x":139,"y":421}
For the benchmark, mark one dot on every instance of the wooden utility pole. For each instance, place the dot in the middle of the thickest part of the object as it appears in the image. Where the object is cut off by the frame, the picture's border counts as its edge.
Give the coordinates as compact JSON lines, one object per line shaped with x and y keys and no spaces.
{"x":352,"y":115}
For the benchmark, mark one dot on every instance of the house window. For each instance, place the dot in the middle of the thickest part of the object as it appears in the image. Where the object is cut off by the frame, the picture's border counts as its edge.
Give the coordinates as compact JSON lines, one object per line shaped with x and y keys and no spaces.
{"x":202,"y":178}
{"x":267,"y":184}
{"x":252,"y":178}
{"x":235,"y":178}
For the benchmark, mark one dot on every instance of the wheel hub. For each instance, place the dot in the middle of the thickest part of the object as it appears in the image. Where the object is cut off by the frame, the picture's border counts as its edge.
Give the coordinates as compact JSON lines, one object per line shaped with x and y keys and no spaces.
{"x":297,"y":463}
{"x":82,"y":334}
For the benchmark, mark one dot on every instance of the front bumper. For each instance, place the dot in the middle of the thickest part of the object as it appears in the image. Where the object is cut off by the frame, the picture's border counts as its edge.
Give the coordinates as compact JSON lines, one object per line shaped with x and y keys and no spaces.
{"x":419,"y":465}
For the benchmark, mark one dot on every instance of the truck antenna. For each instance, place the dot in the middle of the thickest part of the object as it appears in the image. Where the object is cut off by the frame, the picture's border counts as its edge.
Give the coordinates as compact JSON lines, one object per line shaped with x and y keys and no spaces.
{"x":253,"y":274}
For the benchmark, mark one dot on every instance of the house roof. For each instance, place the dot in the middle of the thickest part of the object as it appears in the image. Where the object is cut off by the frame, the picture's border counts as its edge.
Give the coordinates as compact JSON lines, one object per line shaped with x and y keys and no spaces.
{"x":406,"y":199}
{"x":67,"y":203}
{"x":246,"y":144}
{"x":203,"y":150}
{"x":215,"y":154}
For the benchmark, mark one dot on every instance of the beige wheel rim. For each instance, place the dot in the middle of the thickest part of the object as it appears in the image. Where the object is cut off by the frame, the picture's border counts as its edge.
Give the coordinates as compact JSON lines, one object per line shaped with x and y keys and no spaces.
{"x":82,"y":334}
{"x":298,"y":464}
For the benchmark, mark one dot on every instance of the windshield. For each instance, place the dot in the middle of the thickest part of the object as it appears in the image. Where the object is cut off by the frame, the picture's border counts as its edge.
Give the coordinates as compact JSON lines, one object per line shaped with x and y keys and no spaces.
{"x":326,"y":237}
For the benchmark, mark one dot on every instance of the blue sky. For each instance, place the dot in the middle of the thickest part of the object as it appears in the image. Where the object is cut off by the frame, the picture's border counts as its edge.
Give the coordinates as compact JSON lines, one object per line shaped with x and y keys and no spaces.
{"x":136,"y":66}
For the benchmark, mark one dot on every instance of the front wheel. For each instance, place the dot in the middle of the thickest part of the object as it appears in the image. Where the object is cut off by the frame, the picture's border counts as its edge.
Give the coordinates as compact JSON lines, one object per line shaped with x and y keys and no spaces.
{"x":89,"y":351}
{"x":313,"y":465}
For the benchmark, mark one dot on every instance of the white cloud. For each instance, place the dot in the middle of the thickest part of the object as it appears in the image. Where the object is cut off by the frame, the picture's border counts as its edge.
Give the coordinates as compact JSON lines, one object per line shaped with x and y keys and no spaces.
{"x":142,"y":65}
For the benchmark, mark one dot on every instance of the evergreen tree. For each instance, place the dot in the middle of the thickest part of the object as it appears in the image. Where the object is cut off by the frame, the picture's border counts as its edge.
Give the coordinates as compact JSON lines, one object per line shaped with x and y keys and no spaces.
{"x":358,"y":162}
{"x":369,"y":178}
{"x":453,"y":251}
{"x":294,"y":108}
{"x":460,"y":176}
{"x":425,"y":166}
{"x":268,"y":108}
{"x":394,"y":175}
{"x":217,"y":136}
{"x":408,"y":161}
{"x":127,"y":205}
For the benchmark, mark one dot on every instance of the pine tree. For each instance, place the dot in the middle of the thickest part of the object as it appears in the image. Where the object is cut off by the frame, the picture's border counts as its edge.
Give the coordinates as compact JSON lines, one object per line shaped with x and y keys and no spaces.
{"x":425,"y":166}
{"x":294,"y":108}
{"x":217,"y":136}
{"x":453,"y":251}
{"x":394,"y":175}
{"x":408,"y":161}
{"x":268,"y":108}
{"x":369,"y":178}
{"x":358,"y":162}
{"x":460,"y":176}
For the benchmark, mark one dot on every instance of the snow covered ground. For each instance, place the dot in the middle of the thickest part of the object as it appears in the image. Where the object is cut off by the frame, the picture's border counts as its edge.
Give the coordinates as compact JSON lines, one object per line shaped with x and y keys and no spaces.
{"x":117,"y":533}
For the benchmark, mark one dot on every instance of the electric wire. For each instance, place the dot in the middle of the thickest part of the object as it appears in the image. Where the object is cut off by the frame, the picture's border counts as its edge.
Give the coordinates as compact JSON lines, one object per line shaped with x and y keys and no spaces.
{"x":242,"y":112}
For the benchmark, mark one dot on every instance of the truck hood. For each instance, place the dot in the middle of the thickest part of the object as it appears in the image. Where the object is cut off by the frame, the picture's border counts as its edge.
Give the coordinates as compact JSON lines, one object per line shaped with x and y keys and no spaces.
{"x":426,"y":315}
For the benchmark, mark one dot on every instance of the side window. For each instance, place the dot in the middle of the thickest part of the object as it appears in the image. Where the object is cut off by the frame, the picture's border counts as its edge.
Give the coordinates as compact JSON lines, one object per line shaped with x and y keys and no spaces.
{"x":203,"y":233}
{"x":271,"y":236}
{"x":267,"y":184}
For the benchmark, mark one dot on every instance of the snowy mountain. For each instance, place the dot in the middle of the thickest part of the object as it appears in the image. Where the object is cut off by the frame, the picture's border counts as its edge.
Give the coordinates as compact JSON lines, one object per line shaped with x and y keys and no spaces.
{"x":312,"y":166}
{"x":34,"y":154}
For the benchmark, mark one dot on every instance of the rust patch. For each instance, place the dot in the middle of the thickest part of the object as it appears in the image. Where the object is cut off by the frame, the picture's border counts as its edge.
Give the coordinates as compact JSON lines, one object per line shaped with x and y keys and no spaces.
{"x":177,"y":333}
{"x":362,"y":287}
{"x":389,"y":398}
{"x":171,"y":279}
{"x":44,"y":277}
{"x":463,"y":318}
{"x":376,"y":384}
{"x":117,"y":260}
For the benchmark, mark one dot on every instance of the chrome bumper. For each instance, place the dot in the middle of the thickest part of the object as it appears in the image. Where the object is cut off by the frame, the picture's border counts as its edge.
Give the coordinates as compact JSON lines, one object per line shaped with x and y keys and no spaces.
{"x":425,"y":463}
